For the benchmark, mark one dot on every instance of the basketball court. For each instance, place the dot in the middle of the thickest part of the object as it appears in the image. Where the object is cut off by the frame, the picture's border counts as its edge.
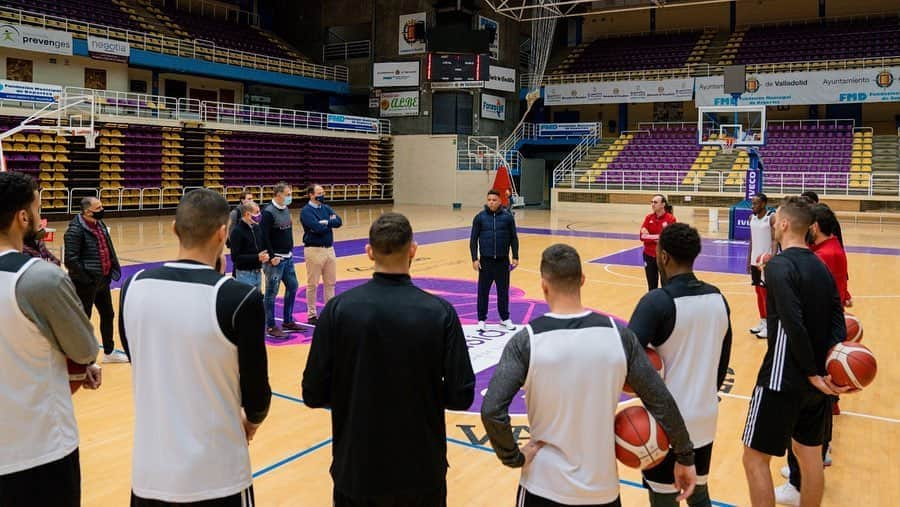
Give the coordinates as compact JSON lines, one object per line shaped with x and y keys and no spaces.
{"x":291,"y":452}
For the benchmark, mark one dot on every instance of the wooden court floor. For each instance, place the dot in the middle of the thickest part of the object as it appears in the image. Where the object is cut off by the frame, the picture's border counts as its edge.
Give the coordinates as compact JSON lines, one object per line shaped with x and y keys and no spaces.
{"x":291,"y":452}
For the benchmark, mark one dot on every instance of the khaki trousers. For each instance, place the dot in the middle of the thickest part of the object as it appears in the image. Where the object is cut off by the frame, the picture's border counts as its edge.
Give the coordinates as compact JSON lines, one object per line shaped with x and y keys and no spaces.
{"x":320,"y":262}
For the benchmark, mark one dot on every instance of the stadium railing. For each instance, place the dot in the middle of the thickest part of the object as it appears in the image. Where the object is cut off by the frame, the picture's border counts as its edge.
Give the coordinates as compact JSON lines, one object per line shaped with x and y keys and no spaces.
{"x":197,"y":49}
{"x":775,"y":182}
{"x":704,"y":69}
{"x":161,"y":198}
{"x":136,"y":105}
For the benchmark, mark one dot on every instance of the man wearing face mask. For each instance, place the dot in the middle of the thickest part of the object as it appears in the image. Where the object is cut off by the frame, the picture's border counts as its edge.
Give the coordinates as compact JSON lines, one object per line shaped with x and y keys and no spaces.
{"x":247,"y":250}
{"x":278,"y":239}
{"x":92,"y":264}
{"x":44,"y":328}
{"x":200,"y":379}
{"x":318,"y":220}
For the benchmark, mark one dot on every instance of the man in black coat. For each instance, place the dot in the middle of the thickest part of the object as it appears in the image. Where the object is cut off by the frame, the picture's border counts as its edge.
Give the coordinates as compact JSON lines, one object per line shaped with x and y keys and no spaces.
{"x":92,"y":264}
{"x":493,"y":235}
{"x":248,"y":251}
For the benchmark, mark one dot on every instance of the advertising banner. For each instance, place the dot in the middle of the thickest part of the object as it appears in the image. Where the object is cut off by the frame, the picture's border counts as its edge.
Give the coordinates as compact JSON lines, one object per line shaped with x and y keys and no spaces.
{"x":799,"y":88}
{"x":493,"y":107}
{"x":107,"y":49}
{"x":29,"y":92}
{"x":567,"y":129}
{"x":408,"y":45}
{"x":389,"y":74}
{"x":618,"y":92}
{"x":489,"y":24}
{"x":399,"y":103}
{"x":356,"y":123}
{"x":502,"y":79}
{"x":32,"y":38}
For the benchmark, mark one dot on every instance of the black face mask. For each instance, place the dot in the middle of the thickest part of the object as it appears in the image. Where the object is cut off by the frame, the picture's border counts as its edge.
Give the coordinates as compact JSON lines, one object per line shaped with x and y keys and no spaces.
{"x":98,"y":215}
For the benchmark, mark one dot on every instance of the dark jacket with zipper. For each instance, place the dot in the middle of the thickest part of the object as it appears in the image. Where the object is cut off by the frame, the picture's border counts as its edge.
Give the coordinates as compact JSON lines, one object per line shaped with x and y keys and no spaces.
{"x":82,"y":255}
{"x":246,"y":242}
{"x":493,"y":234}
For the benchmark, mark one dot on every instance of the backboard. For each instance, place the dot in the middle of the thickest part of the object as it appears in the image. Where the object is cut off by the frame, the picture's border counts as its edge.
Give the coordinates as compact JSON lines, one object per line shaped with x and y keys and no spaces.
{"x":738,"y":125}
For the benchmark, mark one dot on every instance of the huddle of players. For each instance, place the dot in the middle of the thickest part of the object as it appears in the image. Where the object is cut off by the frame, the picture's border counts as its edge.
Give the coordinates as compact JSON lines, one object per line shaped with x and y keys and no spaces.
{"x":196,"y":411}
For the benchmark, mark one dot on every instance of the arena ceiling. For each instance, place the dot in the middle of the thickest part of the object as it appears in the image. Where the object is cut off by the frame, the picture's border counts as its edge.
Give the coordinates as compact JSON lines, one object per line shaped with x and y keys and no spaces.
{"x":528,"y":10}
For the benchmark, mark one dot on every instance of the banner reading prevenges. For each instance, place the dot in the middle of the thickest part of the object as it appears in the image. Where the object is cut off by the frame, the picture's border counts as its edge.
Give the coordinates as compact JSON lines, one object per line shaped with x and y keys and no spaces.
{"x":814,"y":87}
{"x":616,"y":92}
{"x":32,"y":38}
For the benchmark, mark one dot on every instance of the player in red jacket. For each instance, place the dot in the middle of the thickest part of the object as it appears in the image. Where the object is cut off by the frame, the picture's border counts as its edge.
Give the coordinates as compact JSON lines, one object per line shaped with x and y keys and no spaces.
{"x":828,"y":248}
{"x":660,"y":217}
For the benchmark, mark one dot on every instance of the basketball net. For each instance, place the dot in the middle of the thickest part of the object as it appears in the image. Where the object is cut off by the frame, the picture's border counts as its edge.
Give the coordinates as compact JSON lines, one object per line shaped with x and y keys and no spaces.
{"x":728,"y":145}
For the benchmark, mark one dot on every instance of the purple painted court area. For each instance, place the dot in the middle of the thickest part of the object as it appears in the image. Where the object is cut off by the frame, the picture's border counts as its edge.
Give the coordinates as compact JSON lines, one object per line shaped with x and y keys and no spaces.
{"x":462,"y":294}
{"x":716,"y":256}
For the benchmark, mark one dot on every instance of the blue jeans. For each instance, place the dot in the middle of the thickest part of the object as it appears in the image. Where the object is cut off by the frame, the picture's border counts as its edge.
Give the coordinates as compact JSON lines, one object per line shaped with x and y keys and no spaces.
{"x":283,"y":272}
{"x":253,"y":278}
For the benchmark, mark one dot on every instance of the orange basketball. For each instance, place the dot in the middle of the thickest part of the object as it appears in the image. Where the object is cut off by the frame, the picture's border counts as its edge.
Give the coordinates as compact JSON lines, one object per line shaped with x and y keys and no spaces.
{"x":77,"y":374}
{"x":854,"y":328}
{"x":640,"y":440}
{"x":657,"y":363}
{"x":851,"y":364}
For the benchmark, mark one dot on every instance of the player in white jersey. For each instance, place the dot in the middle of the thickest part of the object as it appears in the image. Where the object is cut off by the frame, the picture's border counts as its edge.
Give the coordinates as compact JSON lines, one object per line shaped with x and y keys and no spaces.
{"x":687,"y":321}
{"x":195,"y":409}
{"x":572,"y":363}
{"x":761,"y":245}
{"x":43,"y":328}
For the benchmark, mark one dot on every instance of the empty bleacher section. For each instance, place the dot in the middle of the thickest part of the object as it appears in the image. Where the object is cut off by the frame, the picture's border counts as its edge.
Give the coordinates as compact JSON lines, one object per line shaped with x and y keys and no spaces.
{"x":224,"y":33}
{"x":828,"y":156}
{"x":868,"y":38}
{"x":217,"y":41}
{"x":658,"y":155}
{"x":149,"y":167}
{"x":811,"y":154}
{"x":638,"y":52}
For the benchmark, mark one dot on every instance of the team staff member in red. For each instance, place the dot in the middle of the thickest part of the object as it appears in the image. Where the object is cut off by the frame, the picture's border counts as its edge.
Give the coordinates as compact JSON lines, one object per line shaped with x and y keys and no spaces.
{"x":827,"y":247}
{"x":654,"y":223}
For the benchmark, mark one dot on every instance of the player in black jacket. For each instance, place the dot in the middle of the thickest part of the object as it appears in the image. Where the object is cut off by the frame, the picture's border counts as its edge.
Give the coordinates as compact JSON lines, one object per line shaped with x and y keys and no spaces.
{"x":388,"y":358}
{"x":790,"y":404}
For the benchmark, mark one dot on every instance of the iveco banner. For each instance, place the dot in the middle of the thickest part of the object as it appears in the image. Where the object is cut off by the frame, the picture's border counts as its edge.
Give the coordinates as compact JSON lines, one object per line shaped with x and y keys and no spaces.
{"x":617,"y":92}
{"x":848,"y":86}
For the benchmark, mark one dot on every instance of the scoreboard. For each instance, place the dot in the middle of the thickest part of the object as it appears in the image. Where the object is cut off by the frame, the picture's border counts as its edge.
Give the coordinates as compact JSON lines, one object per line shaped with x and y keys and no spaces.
{"x":456,"y":67}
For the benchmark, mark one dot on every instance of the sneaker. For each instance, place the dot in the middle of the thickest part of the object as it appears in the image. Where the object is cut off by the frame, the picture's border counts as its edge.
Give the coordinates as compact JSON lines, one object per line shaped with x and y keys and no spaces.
{"x":481,"y":325}
{"x":508,"y":324}
{"x":763,"y":332}
{"x":786,"y":472}
{"x":312,"y":321}
{"x":827,"y":460}
{"x":292,"y":326}
{"x":276,"y":332}
{"x":787,"y":494}
{"x":115,"y":357}
{"x":759,"y":327}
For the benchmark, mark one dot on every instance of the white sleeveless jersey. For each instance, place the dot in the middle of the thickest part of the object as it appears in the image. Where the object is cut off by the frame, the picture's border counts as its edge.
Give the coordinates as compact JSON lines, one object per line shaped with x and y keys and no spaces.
{"x":760,"y":237}
{"x":36,"y":411}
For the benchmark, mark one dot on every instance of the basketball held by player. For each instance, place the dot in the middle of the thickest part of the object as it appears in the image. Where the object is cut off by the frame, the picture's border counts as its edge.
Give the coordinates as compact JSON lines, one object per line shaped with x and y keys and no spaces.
{"x":791,"y":403}
{"x":660,"y":216}
{"x":572,"y":363}
{"x":688,"y":323}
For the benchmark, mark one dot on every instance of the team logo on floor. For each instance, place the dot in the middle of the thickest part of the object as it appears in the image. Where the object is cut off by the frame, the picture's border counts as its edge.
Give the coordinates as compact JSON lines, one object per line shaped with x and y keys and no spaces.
{"x":485,"y":347}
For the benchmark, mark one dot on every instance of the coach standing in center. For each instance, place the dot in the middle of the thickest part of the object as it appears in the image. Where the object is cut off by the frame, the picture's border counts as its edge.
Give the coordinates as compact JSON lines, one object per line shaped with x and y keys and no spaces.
{"x":318,"y":220}
{"x":493,"y":234}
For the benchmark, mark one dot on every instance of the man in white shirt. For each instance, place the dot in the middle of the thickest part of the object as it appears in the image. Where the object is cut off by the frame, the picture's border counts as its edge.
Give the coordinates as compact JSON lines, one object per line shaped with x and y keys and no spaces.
{"x":761,"y":247}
